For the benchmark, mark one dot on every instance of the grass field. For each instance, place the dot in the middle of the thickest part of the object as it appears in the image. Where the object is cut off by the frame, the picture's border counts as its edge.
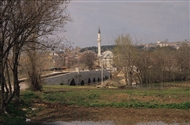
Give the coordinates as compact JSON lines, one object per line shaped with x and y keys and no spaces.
{"x":169,"y":103}
{"x":172,"y":97}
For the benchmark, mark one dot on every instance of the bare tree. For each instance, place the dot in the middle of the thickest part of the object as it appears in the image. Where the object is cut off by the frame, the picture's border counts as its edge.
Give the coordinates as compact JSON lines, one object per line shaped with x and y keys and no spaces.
{"x":63,"y":51}
{"x":125,"y":56}
{"x":183,"y":61}
{"x":164,"y":64}
{"x":26,"y":23}
{"x":143,"y":63}
{"x":88,"y":58}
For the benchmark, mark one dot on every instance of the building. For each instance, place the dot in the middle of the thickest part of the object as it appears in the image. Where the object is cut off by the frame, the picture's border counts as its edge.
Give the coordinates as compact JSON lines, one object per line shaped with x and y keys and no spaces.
{"x":162,"y":43}
{"x":99,"y":43}
{"x":105,"y":58}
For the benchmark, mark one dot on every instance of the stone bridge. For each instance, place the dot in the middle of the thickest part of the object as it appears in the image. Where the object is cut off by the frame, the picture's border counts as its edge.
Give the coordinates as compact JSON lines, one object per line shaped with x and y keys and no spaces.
{"x":78,"y":78}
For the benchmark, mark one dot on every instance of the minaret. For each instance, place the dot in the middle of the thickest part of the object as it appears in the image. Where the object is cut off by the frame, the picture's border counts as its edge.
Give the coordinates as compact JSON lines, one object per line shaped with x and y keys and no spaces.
{"x":99,"y":43}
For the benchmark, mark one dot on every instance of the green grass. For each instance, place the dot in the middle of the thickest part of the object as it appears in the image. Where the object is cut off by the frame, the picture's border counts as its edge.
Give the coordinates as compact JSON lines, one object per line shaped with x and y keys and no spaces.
{"x":93,"y":97}
{"x":16,"y":115}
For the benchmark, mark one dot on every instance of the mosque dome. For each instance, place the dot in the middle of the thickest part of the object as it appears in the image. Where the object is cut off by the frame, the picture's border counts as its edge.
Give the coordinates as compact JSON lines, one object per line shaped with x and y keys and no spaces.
{"x":107,"y":54}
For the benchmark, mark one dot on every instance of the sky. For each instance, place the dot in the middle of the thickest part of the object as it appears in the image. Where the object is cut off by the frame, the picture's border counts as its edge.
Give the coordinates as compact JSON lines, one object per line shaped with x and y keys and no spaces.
{"x":145,"y":21}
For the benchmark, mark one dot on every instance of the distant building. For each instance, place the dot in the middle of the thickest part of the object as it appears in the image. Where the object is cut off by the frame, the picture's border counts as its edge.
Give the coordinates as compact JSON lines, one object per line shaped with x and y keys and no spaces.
{"x":99,"y":43}
{"x":107,"y":59}
{"x":162,"y":43}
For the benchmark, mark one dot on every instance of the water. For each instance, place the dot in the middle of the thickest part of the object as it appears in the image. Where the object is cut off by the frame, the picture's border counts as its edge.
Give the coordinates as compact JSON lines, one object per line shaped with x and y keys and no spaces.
{"x":81,"y":123}
{"x":160,"y":123}
{"x":107,"y":123}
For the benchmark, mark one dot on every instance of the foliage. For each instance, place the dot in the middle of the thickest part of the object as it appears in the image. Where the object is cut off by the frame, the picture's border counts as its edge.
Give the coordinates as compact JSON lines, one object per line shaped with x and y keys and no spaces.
{"x":15,"y":116}
{"x":28,"y":96}
{"x":95,"y":49}
{"x":161,"y":64}
{"x":125,"y":57}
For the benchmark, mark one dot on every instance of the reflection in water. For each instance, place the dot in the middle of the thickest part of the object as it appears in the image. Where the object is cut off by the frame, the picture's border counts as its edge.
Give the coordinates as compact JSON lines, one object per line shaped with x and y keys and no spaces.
{"x":81,"y":123}
{"x":148,"y":123}
{"x":160,"y":123}
{"x":106,"y":123}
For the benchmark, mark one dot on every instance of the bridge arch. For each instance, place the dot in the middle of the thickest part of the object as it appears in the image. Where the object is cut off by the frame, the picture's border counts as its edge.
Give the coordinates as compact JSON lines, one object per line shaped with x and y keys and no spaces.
{"x":82,"y":83}
{"x":75,"y":78}
{"x":89,"y":81}
{"x":98,"y":79}
{"x":73,"y":83}
{"x":106,"y":77}
{"x":94,"y":80}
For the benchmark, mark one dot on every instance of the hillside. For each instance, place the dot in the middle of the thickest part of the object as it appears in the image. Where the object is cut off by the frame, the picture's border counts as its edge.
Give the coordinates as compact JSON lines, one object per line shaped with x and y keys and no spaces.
{"x":95,"y":49}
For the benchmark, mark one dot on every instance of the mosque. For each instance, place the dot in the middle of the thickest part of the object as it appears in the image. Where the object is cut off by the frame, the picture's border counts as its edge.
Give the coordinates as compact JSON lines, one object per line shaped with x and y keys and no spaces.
{"x":106,"y":58}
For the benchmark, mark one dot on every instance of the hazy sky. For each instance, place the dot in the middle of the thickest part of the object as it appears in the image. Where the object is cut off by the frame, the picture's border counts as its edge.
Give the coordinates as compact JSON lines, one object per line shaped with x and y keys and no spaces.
{"x":145,"y":21}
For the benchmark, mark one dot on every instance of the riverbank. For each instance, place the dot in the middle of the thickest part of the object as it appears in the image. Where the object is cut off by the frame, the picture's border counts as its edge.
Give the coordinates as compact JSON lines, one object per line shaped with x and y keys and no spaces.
{"x":169,"y":104}
{"x":66,"y":103}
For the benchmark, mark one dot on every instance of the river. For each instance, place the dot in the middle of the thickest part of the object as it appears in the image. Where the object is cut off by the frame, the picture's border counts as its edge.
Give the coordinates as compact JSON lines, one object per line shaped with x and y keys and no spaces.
{"x":107,"y":123}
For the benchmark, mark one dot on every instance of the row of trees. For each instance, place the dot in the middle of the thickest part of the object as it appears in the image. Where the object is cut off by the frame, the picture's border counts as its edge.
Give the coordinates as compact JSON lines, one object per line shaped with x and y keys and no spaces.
{"x":162,"y":64}
{"x":95,"y":48}
{"x":26,"y":27}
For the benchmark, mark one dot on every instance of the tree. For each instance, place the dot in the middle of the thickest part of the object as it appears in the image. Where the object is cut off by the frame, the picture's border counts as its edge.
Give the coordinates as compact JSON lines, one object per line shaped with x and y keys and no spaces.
{"x":63,"y":52}
{"x":183,"y":61}
{"x":125,"y":57}
{"x":143,"y":63}
{"x":88,"y":58}
{"x":25,"y":23}
{"x":163,"y":63}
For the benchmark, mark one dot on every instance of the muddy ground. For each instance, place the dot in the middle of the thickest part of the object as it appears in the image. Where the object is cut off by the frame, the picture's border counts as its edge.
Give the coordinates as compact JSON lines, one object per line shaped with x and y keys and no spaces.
{"x":59,"y":112}
{"x":51,"y":112}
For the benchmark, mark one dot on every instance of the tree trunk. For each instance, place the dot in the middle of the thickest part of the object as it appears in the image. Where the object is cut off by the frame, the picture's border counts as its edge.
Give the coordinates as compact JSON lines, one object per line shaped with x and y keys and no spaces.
{"x":8,"y":78}
{"x":15,"y":72}
{"x":34,"y":75}
{"x":2,"y":82}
